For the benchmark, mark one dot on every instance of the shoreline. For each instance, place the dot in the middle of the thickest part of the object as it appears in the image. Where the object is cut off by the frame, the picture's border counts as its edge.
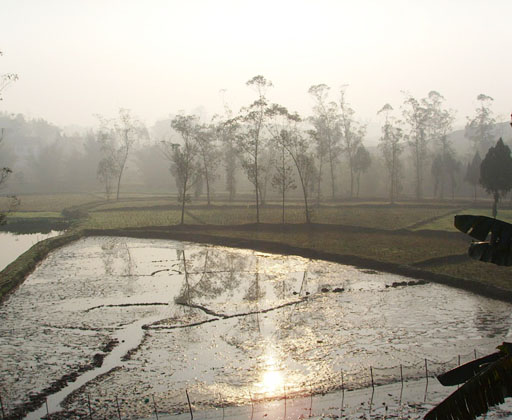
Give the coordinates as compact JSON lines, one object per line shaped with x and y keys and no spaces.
{"x":16,"y":272}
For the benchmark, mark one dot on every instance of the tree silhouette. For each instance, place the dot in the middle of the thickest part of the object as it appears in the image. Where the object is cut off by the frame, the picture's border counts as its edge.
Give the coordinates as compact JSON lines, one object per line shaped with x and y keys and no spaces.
{"x":496,"y":173}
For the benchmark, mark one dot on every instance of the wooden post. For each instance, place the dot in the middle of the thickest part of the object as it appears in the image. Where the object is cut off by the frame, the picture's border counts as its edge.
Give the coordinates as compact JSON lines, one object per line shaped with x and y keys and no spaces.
{"x":426,"y":370}
{"x":118,"y":409}
{"x":285,"y":403}
{"x":189,"y":405}
{"x":89,"y":404}
{"x":402,"y":386}
{"x":371,"y":374}
{"x":154,"y":404}
{"x":47,"y":411}
{"x":342,"y":393}
{"x":311,"y":400}
{"x":475,"y":353}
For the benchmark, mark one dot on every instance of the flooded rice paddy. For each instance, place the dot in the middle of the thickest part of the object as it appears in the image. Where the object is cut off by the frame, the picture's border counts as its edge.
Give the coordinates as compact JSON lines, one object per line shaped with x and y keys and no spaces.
{"x":129,"y":320}
{"x":13,"y":245}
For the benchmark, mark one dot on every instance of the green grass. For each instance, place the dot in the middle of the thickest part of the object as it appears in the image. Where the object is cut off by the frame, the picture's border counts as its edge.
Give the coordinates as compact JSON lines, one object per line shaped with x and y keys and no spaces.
{"x":383,"y":217}
{"x":446,"y":223}
{"x":34,"y":215}
{"x":48,"y":202}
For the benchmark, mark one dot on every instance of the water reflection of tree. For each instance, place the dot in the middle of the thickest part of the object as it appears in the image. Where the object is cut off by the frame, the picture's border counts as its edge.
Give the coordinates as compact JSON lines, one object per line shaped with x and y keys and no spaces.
{"x":209,"y":273}
{"x":112,"y":249}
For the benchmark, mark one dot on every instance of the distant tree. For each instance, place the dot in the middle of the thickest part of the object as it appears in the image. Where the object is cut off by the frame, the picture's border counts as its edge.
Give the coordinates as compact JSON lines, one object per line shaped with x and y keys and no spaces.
{"x":352,"y":134}
{"x":250,"y":138}
{"x":5,"y":80}
{"x":416,"y":115}
{"x":362,"y":161}
{"x":209,"y":156}
{"x":473,"y":172}
{"x":438,"y":128}
{"x":496,"y":173}
{"x":452,"y":169}
{"x":107,"y":174}
{"x":153,"y":166}
{"x":480,"y":129}
{"x":436,"y":169}
{"x":117,"y":138}
{"x":183,"y":157}
{"x":226,"y":132}
{"x":325,"y":132}
{"x":391,"y":146}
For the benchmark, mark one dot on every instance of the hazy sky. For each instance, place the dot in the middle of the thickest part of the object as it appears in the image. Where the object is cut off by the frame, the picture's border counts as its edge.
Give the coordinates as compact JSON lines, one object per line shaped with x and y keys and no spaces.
{"x":76,"y":59}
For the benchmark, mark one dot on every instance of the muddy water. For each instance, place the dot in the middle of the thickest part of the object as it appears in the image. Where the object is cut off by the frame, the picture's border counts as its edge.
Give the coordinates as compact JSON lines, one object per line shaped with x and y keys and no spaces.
{"x":225,"y":324}
{"x":13,"y":245}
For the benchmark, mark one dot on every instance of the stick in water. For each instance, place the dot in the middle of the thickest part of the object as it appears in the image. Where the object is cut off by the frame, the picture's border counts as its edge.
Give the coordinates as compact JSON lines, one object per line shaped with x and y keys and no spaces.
{"x":189,"y":405}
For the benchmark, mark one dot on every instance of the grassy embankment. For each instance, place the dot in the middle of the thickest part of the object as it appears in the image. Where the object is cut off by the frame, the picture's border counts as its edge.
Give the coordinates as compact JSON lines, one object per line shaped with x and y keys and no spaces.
{"x":417,"y":236}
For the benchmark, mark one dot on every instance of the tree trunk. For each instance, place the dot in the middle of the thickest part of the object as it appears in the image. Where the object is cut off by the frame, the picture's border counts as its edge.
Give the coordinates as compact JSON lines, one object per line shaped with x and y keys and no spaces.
{"x":496,"y":196}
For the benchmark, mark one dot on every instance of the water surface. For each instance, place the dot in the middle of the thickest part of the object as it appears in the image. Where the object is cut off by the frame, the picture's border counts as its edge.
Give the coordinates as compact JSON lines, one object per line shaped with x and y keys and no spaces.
{"x":225,"y":324}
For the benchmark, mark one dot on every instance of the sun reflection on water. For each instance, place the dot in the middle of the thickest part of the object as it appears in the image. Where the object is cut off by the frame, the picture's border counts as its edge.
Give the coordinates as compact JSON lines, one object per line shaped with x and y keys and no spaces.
{"x":272,"y":379}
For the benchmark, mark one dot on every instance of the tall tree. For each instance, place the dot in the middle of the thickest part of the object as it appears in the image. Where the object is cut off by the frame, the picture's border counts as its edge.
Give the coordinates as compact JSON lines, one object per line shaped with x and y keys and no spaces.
{"x":117,"y":138}
{"x":183,"y":157}
{"x":352,"y":134}
{"x":473,"y":172}
{"x":391,"y":146}
{"x":325,"y":132}
{"x":362,"y":161}
{"x":293,"y":140}
{"x":250,"y":137}
{"x":480,"y":129}
{"x":283,"y":179}
{"x":416,"y":115}
{"x":496,"y":173}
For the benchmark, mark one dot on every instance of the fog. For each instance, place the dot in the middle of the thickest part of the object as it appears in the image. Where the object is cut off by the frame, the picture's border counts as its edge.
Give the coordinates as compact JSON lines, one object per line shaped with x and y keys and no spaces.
{"x":76,"y":59}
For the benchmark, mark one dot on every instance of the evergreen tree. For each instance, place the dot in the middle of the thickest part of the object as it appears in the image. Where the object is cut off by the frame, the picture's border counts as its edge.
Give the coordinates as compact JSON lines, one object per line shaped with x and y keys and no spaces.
{"x":496,"y":173}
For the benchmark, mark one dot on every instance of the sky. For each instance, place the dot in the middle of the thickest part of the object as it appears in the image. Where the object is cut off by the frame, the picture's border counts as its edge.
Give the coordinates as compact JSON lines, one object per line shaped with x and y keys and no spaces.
{"x":77,"y":59}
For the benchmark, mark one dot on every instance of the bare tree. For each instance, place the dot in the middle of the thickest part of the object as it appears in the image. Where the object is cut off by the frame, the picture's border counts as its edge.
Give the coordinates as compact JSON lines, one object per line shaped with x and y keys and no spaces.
{"x":117,"y":138}
{"x":325,"y":133}
{"x":250,"y":136}
{"x":352,"y":134}
{"x":183,"y":157}
{"x":391,"y":146}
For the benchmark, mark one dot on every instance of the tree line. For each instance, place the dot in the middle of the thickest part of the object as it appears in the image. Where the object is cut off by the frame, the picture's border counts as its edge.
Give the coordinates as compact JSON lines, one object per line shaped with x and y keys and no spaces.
{"x":274,"y":148}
